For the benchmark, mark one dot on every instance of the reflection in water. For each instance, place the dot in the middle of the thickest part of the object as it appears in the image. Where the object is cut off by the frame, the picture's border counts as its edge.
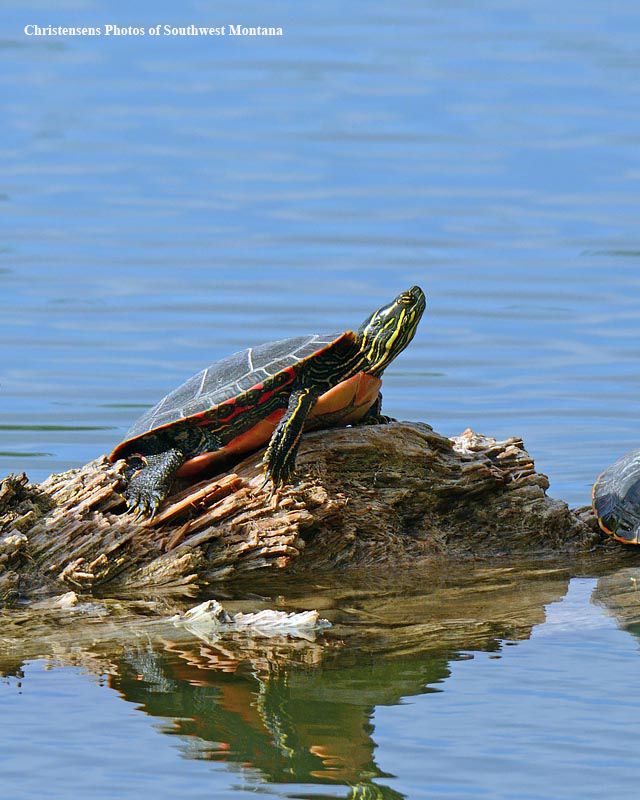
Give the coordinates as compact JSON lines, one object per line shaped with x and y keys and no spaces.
{"x":619,"y":593}
{"x":291,"y":711}
{"x":307,"y":716}
{"x":291,"y":725}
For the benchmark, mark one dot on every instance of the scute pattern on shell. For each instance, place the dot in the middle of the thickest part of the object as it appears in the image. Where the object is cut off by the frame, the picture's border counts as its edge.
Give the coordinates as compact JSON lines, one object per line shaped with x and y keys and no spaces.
{"x":616,"y":497}
{"x":228,"y":378}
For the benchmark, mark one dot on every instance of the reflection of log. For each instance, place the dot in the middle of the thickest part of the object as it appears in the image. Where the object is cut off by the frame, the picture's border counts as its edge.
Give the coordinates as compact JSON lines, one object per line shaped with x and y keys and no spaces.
{"x":429,"y":607}
{"x":290,"y":709}
{"x":366,"y":495}
{"x":618,"y":592}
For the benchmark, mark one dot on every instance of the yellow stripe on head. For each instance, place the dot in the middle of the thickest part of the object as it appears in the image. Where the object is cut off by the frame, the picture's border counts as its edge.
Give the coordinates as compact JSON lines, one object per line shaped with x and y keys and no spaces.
{"x":389,"y":330}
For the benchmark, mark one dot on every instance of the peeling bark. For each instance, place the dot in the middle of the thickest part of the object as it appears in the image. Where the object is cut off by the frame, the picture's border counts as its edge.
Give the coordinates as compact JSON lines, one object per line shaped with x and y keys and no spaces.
{"x":372,"y":494}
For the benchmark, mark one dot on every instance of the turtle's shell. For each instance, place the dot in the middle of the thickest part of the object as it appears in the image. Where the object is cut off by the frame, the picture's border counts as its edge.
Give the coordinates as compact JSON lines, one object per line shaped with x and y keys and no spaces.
{"x":616,"y":499}
{"x":256,"y":370}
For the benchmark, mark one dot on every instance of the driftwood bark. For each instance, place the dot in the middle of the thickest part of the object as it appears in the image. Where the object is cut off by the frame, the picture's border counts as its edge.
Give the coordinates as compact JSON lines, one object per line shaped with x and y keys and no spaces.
{"x":376,"y":494}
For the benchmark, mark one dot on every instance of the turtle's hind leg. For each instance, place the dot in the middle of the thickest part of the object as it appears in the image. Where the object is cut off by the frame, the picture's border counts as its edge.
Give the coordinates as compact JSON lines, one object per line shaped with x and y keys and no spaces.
{"x":150,"y":473}
{"x":150,"y":485}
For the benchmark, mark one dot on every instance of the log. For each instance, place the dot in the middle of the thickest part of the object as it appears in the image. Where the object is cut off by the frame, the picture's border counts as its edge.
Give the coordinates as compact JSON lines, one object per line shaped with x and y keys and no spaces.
{"x":365,"y":495}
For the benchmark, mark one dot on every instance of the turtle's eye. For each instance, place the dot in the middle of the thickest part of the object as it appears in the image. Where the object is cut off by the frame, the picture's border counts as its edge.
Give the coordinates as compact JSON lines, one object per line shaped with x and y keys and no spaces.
{"x":411,"y":296}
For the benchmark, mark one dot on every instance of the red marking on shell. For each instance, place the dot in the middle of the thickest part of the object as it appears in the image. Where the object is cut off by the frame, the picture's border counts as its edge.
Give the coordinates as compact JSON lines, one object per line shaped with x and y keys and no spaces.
{"x":205,"y":417}
{"x":244,"y":443}
{"x":354,"y":397}
{"x":235,"y":409}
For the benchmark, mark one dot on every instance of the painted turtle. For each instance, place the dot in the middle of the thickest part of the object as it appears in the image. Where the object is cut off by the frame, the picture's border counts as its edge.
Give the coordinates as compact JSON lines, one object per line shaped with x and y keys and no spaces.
{"x":266,"y":393}
{"x":616,"y":499}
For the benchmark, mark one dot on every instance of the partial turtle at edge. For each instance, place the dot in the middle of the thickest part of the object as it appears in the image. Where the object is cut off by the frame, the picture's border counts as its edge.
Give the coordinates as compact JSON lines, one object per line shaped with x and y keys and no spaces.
{"x":616,"y":499}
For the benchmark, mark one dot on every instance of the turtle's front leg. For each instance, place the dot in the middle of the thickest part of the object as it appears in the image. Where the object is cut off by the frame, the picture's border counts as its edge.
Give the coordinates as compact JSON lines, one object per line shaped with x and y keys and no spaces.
{"x":280,"y":459}
{"x":150,"y":485}
{"x":374,"y":415}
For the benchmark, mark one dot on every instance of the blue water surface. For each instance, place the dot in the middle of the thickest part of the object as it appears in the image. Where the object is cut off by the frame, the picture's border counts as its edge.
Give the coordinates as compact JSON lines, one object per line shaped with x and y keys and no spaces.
{"x":166,"y":201}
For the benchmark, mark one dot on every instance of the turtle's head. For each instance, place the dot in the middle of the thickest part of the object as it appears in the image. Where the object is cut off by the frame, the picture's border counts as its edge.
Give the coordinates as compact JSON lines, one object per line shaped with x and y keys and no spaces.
{"x":389,"y":330}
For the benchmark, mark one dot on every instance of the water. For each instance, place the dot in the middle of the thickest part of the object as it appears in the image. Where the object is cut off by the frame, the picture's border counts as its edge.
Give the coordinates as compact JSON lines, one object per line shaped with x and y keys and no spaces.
{"x":506,"y":683}
{"x":165,"y":202}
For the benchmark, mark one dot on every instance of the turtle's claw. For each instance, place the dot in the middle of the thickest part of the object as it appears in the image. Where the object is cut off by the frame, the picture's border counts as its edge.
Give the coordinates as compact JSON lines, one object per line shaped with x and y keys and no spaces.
{"x":143,"y":507}
{"x":142,"y":503}
{"x":153,"y":506}
{"x":137,"y":505}
{"x":132,"y":504}
{"x":274,"y":493}
{"x":267,"y":479}
{"x":138,"y":510}
{"x":279,"y":475}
